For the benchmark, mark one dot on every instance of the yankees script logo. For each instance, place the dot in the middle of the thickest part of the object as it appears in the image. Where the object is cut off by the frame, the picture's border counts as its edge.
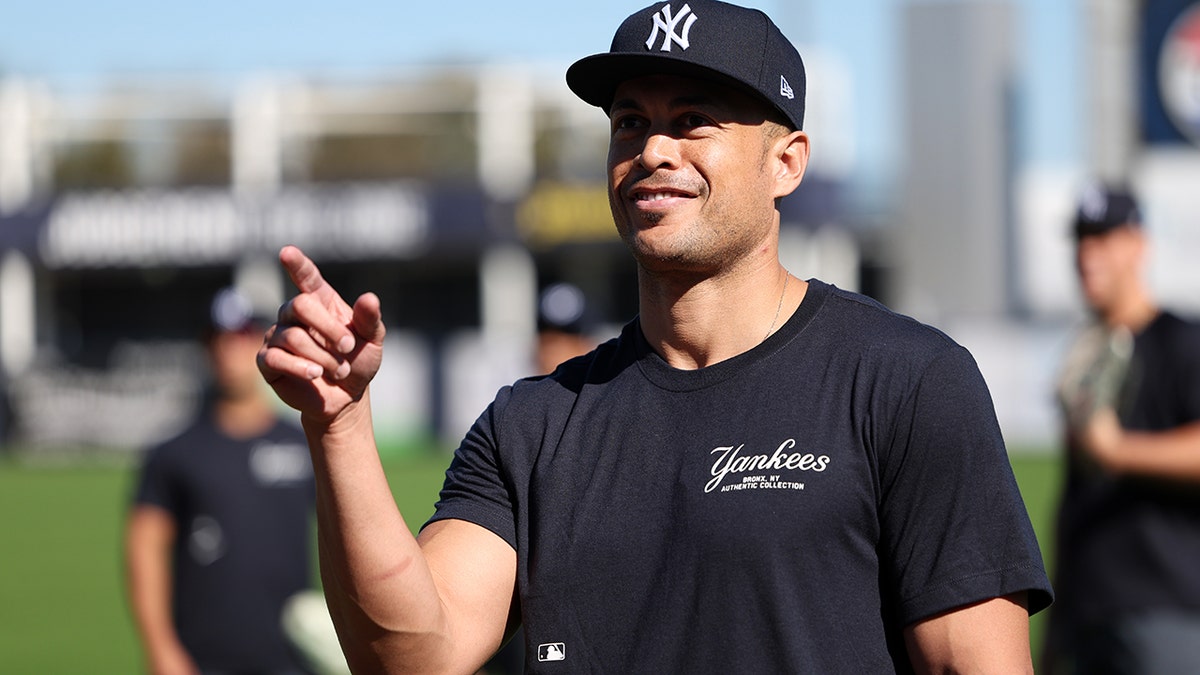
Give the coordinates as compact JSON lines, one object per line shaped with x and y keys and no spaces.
{"x":668,"y":23}
{"x":730,"y":460}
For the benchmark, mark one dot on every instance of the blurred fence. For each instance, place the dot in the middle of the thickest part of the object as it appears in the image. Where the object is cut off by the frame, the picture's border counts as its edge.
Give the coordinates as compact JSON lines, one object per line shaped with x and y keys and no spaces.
{"x":151,"y":391}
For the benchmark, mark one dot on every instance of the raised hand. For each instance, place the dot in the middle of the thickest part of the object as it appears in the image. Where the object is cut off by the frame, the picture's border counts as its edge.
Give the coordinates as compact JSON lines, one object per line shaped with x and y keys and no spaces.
{"x":321,"y":353}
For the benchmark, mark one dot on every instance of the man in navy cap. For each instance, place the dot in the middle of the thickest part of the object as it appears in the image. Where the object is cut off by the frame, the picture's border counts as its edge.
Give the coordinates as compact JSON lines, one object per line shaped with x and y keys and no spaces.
{"x":1129,"y":524}
{"x":563,"y":326}
{"x":218,"y":536}
{"x":760,"y":474}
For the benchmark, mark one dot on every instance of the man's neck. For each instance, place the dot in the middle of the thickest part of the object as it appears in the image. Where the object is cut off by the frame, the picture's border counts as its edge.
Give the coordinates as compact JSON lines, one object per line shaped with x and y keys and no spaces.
{"x":243,"y":416}
{"x":697,"y":322}
{"x":1135,"y":311}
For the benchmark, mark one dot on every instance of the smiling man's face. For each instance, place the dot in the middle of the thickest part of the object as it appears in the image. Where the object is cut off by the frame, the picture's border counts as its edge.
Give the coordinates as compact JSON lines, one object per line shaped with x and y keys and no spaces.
{"x":690,"y":172}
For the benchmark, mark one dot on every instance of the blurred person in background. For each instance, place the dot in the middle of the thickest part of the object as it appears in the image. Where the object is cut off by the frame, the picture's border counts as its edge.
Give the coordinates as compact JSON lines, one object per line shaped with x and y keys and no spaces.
{"x":564,"y":323}
{"x":760,"y":474}
{"x":1128,"y":532}
{"x":219,"y":535}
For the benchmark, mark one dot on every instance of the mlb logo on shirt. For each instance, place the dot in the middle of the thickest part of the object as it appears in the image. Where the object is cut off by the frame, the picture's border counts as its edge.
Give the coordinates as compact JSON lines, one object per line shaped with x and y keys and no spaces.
{"x":552,"y":651}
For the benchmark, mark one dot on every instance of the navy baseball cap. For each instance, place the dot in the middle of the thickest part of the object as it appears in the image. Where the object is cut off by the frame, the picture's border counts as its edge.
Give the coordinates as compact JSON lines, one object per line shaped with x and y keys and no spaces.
{"x":1103,"y":208}
{"x":562,"y":307}
{"x":699,"y":38}
{"x":232,"y":312}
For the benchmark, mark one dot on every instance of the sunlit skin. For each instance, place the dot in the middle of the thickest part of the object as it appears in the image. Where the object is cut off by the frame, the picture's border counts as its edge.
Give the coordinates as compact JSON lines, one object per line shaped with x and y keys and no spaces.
{"x":554,"y":347}
{"x":696,"y":170}
{"x":232,"y":356}
{"x":1110,"y":269}
{"x":243,"y":407}
{"x":683,"y":195}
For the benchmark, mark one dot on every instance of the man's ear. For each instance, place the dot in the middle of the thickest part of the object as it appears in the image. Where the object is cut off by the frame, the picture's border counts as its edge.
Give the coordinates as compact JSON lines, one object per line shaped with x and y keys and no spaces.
{"x":791,"y":153}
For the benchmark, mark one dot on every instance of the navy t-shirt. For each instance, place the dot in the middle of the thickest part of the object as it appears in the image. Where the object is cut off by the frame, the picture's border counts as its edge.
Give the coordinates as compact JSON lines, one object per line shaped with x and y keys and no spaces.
{"x":243,"y":509}
{"x":1126,"y":543}
{"x":787,"y":510}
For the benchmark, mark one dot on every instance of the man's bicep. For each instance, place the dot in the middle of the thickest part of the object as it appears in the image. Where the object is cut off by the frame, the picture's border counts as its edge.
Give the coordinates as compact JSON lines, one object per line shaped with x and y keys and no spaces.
{"x":150,"y":526}
{"x":991,"y":636}
{"x":475,"y":571}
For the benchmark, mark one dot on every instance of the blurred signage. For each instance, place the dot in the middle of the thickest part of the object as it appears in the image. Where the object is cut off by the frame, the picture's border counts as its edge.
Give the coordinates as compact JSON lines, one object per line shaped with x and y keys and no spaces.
{"x":1179,"y":72}
{"x":558,"y":214}
{"x":1170,"y":72}
{"x":211,"y":226}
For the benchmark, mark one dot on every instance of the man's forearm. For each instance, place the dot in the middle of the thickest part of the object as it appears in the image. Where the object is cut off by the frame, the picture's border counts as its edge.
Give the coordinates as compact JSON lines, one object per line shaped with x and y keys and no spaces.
{"x":377,"y":582}
{"x":1171,"y":455}
{"x":150,"y":532}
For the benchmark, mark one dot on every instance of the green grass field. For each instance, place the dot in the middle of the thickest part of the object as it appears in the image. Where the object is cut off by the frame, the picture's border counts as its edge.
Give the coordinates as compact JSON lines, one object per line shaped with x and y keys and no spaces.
{"x":62,"y":610}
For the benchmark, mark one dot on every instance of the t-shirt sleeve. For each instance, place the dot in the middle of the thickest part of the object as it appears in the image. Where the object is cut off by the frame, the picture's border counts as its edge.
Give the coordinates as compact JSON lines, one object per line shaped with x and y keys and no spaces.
{"x":474,"y":489}
{"x":954,"y":529}
{"x":154,"y":485}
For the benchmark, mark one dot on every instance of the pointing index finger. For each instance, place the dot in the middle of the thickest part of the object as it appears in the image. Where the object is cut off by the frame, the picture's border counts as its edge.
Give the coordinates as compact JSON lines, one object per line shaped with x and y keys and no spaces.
{"x":302,"y":270}
{"x":330,"y":323}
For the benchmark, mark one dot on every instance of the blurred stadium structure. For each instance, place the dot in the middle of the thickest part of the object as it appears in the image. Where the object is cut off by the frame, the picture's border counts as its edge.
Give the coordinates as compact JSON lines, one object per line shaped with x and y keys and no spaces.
{"x":456,"y":192}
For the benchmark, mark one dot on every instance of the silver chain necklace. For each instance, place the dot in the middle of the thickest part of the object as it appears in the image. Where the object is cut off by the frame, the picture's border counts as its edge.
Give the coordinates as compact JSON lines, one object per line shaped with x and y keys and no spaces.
{"x":782,"y":295}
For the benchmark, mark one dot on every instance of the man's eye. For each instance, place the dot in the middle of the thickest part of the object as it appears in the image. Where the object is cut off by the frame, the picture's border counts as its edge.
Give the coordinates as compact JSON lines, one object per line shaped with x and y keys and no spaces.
{"x":626,"y":122}
{"x":693,"y":121}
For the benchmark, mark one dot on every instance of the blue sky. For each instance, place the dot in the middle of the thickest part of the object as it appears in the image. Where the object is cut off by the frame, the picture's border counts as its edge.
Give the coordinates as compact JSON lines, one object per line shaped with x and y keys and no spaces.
{"x":87,"y":38}
{"x":77,"y":44}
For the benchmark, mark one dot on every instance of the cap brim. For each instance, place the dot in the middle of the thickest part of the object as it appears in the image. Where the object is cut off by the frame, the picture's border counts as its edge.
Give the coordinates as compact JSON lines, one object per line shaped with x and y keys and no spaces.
{"x":595,"y":78}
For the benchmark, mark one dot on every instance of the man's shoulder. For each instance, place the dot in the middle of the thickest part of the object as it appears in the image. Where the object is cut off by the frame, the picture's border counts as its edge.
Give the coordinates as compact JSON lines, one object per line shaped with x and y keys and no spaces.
{"x":180,"y":452}
{"x":869,"y":323}
{"x":196,"y":432}
{"x":1177,"y":337}
{"x":1177,"y":322}
{"x":1175,"y":331}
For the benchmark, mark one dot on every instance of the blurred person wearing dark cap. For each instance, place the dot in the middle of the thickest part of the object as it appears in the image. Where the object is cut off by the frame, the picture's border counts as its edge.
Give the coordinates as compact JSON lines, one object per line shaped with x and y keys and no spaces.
{"x":1128,"y":530}
{"x":564,"y":324}
{"x":760,"y":474}
{"x":219,"y":534}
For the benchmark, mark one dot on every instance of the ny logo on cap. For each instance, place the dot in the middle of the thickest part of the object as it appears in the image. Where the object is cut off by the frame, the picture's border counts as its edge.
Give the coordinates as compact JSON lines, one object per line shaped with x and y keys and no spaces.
{"x":1092,"y":203}
{"x":668,"y":23}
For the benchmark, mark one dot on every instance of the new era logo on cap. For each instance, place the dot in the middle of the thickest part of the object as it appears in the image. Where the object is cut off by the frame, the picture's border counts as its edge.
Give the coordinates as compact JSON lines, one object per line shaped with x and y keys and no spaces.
{"x":701,"y":38}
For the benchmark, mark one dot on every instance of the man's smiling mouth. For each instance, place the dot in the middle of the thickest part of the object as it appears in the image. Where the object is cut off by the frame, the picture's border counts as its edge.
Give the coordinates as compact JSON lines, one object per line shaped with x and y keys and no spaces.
{"x":656,"y":196}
